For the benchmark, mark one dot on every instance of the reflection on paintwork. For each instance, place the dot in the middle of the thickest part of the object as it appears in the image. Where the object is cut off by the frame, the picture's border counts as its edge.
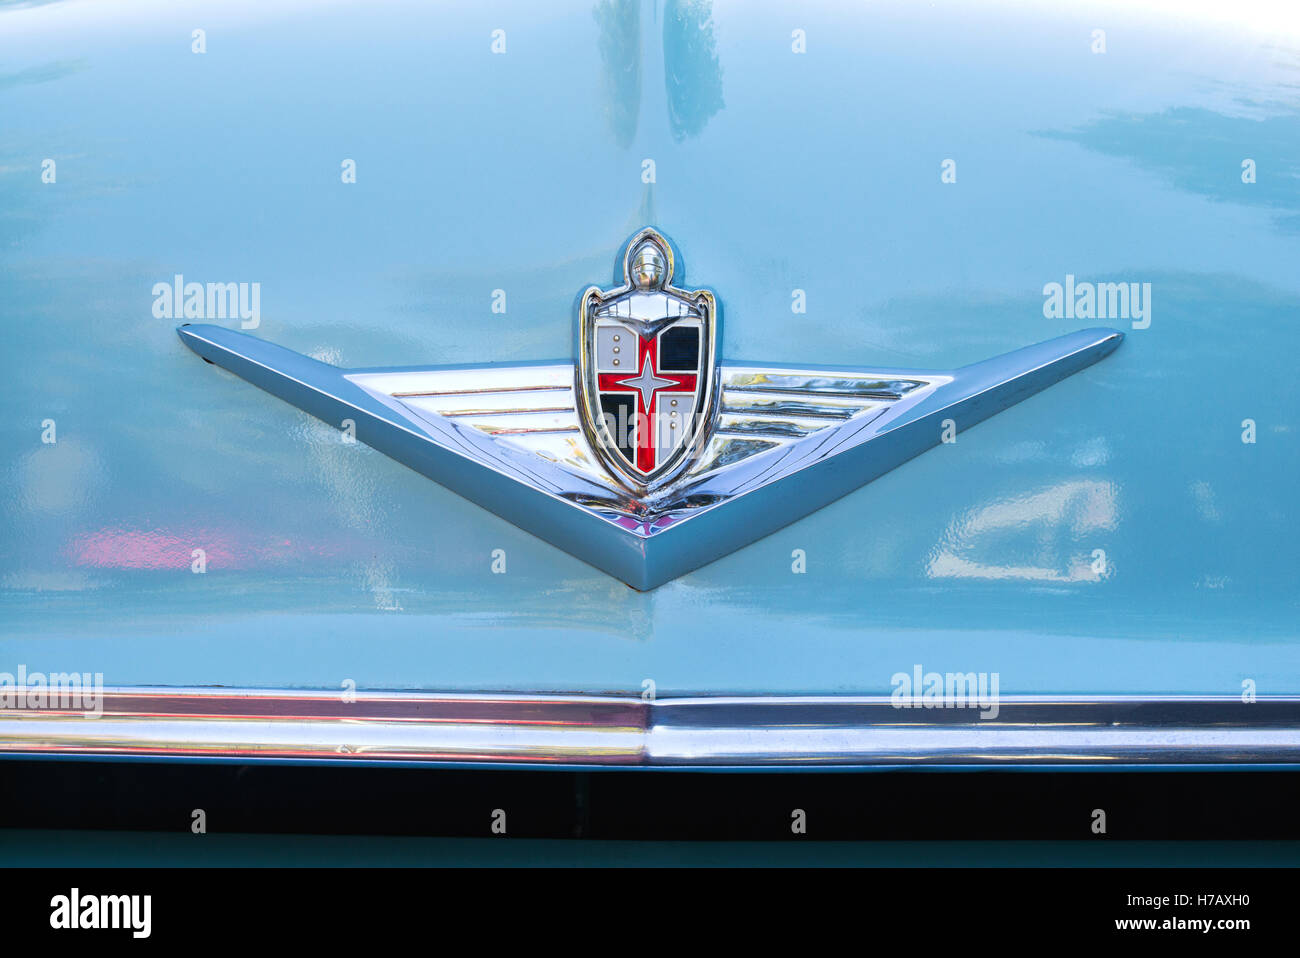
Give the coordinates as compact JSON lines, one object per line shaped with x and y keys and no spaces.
{"x":1201,"y":151}
{"x":688,"y":59}
{"x":223,"y":549}
{"x":1048,"y":525}
{"x":692,"y":73}
{"x":1203,"y":496}
{"x":59,"y":478}
{"x":379,"y":579}
{"x":44,"y":73}
{"x":28,"y":582}
{"x":620,"y":58}
{"x":1091,"y":452}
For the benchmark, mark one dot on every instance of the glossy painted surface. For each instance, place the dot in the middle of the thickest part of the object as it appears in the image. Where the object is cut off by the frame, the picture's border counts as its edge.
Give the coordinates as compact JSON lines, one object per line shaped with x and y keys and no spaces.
{"x":522,"y":172}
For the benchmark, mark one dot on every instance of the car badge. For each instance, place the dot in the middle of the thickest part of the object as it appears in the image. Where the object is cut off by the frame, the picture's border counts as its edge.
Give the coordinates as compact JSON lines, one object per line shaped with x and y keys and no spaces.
{"x":650,"y":456}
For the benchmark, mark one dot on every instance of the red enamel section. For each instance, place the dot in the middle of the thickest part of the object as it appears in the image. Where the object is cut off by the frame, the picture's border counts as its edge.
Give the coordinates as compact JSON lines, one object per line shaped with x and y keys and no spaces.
{"x":646,"y":459}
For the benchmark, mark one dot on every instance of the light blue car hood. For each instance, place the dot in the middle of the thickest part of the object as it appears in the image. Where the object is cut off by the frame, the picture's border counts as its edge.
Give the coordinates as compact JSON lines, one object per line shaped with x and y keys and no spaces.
{"x":774,"y":171}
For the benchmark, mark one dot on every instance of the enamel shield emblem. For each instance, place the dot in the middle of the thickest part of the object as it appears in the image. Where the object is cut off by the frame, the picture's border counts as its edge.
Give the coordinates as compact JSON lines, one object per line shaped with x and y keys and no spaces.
{"x":646,"y":366}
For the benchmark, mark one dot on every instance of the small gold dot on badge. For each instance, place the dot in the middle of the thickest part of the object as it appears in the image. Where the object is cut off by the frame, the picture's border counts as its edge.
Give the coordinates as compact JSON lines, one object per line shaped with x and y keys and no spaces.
{"x":674,"y":402}
{"x":672,"y":425}
{"x":616,"y":362}
{"x":616,"y":349}
{"x":673,"y":413}
{"x":615,"y":339}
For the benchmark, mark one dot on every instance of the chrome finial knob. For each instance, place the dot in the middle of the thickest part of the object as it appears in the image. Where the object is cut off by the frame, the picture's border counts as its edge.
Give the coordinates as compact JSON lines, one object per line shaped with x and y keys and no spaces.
{"x":649,"y":268}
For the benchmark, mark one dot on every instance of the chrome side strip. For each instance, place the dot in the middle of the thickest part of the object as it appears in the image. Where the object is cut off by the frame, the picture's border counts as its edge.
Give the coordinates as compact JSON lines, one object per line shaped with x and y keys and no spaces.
{"x":617,"y":731}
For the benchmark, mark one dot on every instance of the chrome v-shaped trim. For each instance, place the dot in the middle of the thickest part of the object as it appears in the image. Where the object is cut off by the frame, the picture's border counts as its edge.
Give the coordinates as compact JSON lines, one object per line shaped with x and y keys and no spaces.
{"x":786,"y":440}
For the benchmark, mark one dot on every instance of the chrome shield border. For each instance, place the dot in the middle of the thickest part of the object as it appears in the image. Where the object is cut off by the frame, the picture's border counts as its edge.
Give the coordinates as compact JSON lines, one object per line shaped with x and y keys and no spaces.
{"x":626,"y":732}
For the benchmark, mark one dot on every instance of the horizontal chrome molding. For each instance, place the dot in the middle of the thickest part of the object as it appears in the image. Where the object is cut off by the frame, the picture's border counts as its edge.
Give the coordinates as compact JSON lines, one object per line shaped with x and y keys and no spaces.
{"x":624,"y":731}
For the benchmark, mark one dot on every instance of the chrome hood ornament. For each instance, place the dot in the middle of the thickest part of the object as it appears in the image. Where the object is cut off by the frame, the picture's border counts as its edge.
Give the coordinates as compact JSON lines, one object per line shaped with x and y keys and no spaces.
{"x":649,"y":457}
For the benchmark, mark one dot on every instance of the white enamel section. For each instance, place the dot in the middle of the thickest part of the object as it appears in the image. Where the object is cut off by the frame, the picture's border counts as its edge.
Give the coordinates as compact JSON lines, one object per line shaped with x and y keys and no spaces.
{"x":673,"y":414}
{"x":615,"y":348}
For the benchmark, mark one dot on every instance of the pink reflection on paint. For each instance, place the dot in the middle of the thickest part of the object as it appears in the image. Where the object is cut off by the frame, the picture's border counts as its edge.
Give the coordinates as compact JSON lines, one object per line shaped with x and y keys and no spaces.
{"x":164,"y":549}
{"x":642,"y":527}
